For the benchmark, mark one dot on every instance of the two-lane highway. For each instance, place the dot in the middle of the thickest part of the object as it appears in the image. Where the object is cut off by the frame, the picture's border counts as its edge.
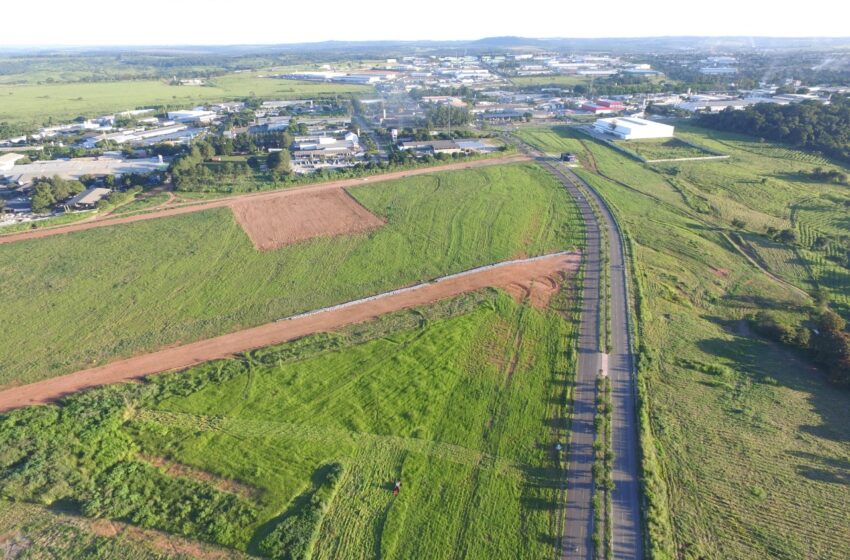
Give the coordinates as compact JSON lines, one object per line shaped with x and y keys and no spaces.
{"x":578,"y":514}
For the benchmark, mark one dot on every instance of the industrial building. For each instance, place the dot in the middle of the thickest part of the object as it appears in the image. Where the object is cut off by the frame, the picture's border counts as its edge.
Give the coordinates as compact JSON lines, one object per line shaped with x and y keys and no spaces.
{"x":432,"y":147}
{"x":713,"y":105}
{"x":631,"y":128}
{"x":325,"y":151}
{"x":196,"y":115}
{"x":22,"y":175}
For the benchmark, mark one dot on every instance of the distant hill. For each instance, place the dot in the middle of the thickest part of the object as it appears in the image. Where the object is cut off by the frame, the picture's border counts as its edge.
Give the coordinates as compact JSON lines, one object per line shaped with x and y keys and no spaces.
{"x":621,"y":44}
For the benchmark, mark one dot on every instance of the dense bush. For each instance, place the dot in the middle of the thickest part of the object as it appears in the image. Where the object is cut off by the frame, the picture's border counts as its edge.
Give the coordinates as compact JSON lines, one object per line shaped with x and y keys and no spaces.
{"x":809,"y":124}
{"x":828,"y":344}
{"x":141,"y":494}
{"x":831,"y":347}
{"x":49,"y":453}
{"x":294,"y":537}
{"x":82,"y":452}
{"x":52,"y":192}
{"x":829,"y":175}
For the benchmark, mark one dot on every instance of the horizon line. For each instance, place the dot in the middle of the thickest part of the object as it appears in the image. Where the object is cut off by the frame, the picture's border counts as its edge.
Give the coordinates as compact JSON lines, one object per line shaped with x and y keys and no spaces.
{"x":20,"y":46}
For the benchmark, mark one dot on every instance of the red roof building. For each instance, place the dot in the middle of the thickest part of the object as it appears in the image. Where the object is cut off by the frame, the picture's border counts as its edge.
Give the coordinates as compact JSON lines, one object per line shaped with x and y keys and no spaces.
{"x":613,"y":105}
{"x":596,"y":109}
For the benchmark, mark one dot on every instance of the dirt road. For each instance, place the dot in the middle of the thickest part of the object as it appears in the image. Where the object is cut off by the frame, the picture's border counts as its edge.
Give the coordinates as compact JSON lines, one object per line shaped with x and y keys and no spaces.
{"x":523,"y":276}
{"x":268,"y":195}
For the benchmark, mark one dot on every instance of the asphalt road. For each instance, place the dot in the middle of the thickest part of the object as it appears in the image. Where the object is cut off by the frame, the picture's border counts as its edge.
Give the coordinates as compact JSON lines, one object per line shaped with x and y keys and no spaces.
{"x":628,"y":538}
{"x":576,"y":540}
{"x":578,"y":514}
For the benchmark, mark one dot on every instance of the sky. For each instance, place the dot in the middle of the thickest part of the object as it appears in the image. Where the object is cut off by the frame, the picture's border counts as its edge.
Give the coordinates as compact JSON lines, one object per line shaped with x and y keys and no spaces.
{"x":229,"y":22}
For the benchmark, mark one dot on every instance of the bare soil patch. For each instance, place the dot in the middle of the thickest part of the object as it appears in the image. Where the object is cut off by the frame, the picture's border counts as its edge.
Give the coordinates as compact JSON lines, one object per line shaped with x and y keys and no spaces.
{"x":277,"y":222}
{"x":157,"y":541}
{"x":535,"y":291}
{"x":173,"y":468}
{"x":534,"y":275}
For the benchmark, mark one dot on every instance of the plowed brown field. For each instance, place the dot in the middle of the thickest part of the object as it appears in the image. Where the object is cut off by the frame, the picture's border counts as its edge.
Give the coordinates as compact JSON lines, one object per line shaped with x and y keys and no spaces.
{"x":278,"y":221}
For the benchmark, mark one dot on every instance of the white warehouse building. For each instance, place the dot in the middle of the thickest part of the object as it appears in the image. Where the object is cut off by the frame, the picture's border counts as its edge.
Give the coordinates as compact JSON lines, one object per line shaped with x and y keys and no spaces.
{"x":630,"y":128}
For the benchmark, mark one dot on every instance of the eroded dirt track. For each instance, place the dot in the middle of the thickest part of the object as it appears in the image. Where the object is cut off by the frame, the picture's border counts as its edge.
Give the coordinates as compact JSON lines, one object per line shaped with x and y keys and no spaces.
{"x":525,"y":276}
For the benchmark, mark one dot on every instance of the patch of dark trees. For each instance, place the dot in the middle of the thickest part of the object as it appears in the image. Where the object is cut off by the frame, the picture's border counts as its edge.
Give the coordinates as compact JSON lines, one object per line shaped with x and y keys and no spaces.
{"x":808,"y":125}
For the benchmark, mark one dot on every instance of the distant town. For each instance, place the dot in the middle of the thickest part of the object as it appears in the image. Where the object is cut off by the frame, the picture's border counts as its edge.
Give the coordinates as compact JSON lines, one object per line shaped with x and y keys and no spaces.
{"x":421,"y":108}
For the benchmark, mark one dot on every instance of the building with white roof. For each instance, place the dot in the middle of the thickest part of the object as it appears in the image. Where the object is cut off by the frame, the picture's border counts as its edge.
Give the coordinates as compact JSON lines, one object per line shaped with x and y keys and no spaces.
{"x":631,"y":128}
{"x":192,"y":115}
{"x":7,"y":161}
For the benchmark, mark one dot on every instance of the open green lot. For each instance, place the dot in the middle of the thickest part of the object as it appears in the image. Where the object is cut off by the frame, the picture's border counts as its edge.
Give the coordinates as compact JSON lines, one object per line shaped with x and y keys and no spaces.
{"x":566,"y":80}
{"x":37,"y":104}
{"x":461,"y":401}
{"x":663,"y":148}
{"x":745,"y":445}
{"x":74,"y":301}
{"x":551,"y":81}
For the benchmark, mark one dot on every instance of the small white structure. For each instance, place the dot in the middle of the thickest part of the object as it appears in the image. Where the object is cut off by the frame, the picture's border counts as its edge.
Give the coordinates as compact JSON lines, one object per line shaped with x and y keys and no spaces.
{"x":630,"y":128}
{"x":7,"y":161}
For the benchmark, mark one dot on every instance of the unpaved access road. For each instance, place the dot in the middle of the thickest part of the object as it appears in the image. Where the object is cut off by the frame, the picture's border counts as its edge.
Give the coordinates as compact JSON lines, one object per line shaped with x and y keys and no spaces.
{"x":266,"y":195}
{"x":524,"y":274}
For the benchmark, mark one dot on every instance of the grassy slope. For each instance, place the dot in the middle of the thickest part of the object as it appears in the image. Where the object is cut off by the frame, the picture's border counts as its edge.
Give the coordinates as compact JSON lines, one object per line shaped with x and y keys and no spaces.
{"x":663,"y":148}
{"x":460,"y":400}
{"x":755,"y":457}
{"x":438,"y":407}
{"x":34,"y":104}
{"x":77,"y":300}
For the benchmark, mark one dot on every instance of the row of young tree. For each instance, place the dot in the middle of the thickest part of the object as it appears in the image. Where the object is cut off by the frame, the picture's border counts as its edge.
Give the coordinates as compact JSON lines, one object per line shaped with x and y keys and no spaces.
{"x":808,"y":125}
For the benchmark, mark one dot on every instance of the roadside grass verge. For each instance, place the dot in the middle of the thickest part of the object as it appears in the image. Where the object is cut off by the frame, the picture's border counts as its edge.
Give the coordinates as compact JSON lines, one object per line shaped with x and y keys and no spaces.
{"x":745,"y":446}
{"x":60,"y":220}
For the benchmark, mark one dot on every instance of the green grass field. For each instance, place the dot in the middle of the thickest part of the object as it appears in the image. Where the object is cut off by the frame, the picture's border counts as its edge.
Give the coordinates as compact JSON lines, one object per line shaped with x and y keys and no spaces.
{"x":750,"y":446}
{"x":461,"y":401}
{"x":551,"y":81}
{"x":567,"y":81}
{"x":33,"y":104}
{"x":663,"y":148}
{"x":77,"y":300}
{"x":550,"y":140}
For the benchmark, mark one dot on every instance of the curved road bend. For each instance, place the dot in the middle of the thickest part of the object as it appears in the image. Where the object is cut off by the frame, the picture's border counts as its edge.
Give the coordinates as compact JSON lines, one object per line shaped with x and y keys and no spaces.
{"x":576,"y":540}
{"x":627,"y":533}
{"x":626,"y":515}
